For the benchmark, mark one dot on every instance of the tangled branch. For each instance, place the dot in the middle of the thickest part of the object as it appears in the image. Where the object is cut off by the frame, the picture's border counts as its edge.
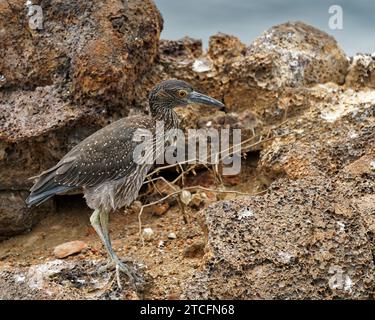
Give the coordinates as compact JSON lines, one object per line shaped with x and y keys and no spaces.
{"x":196,"y":162}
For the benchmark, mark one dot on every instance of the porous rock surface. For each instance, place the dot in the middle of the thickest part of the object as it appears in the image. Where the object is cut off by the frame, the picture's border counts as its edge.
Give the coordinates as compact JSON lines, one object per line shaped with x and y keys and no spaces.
{"x":311,"y":236}
{"x":305,"y":239}
{"x":61,"y":83}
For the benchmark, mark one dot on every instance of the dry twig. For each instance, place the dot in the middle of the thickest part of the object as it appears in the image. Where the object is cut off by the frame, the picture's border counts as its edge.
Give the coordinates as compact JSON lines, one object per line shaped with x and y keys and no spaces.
{"x":194,"y":164}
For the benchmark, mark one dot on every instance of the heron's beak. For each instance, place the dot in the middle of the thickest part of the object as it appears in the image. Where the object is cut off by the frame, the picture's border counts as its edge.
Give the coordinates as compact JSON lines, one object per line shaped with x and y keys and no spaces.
{"x":199,"y":98}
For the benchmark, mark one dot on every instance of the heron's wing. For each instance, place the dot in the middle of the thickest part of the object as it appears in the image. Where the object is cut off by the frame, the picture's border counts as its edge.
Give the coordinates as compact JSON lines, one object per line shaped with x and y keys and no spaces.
{"x":104,"y":156}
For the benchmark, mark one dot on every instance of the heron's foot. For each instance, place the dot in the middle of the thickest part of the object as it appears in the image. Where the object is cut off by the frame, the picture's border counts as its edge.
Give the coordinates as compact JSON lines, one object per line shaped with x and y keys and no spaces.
{"x":109,"y":266}
{"x":118,"y":266}
{"x":134,"y":279}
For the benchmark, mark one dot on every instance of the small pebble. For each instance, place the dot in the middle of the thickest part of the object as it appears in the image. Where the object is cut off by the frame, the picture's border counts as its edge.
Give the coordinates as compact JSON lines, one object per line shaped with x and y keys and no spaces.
{"x":172,"y":235}
{"x":68,"y":248}
{"x":198,"y":199}
{"x":160,"y":209}
{"x":185,"y":197}
{"x":148,"y":234}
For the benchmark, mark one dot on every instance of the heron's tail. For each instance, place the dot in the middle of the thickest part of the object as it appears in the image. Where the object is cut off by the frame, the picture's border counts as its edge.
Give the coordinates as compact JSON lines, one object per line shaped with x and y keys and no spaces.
{"x":44,"y":188}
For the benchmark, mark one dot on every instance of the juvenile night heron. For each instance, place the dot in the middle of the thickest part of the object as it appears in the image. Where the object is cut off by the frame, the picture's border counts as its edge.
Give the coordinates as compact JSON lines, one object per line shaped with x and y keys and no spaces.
{"x":104,"y":168}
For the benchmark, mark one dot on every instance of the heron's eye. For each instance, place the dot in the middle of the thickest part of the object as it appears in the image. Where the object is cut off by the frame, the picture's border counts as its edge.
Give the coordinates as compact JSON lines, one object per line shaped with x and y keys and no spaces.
{"x":182,"y":93}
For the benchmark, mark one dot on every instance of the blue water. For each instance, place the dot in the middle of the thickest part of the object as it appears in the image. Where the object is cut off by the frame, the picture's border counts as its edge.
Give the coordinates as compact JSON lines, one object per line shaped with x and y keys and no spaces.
{"x":247,"y":19}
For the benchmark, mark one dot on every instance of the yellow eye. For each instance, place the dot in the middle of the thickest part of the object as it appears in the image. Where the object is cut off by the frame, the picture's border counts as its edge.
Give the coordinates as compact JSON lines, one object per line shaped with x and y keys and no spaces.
{"x":182,"y":93}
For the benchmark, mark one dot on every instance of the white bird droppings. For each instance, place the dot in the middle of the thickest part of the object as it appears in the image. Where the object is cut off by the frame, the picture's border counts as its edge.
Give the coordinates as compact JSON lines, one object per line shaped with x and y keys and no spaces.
{"x":245,"y":213}
{"x":341,"y":225}
{"x":348,"y":284}
{"x":340,"y":280}
{"x":334,"y":113}
{"x":202,"y":65}
{"x":353,"y":135}
{"x":285,"y":257}
{"x":19,"y":278}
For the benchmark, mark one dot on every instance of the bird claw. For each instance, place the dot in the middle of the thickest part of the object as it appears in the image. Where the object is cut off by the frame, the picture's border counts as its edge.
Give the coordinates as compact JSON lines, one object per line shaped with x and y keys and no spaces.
{"x":135,"y":280}
{"x":109,"y":266}
{"x":118,"y":266}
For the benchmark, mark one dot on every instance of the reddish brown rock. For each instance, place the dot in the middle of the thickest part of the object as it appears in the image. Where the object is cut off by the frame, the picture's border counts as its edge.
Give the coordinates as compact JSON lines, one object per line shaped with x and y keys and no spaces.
{"x":68,"y":248}
{"x":159,"y":209}
{"x":107,"y":68}
{"x":101,"y":56}
{"x":61,"y":83}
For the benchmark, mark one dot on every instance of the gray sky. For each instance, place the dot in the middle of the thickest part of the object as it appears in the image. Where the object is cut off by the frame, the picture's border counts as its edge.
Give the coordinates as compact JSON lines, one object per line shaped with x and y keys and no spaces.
{"x":247,"y":19}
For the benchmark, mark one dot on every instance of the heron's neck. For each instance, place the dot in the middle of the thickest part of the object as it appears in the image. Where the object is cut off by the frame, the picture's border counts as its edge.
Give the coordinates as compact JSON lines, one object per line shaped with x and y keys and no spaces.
{"x":165,"y":114}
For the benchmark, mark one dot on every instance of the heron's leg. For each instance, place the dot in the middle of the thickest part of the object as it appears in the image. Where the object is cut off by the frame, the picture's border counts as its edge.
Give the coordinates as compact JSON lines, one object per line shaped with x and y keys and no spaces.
{"x":104,"y":221}
{"x":99,"y":220}
{"x":95,"y":222}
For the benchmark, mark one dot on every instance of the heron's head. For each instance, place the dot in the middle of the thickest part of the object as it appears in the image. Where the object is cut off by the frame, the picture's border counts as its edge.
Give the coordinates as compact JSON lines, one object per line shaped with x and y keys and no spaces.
{"x":176,"y":93}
